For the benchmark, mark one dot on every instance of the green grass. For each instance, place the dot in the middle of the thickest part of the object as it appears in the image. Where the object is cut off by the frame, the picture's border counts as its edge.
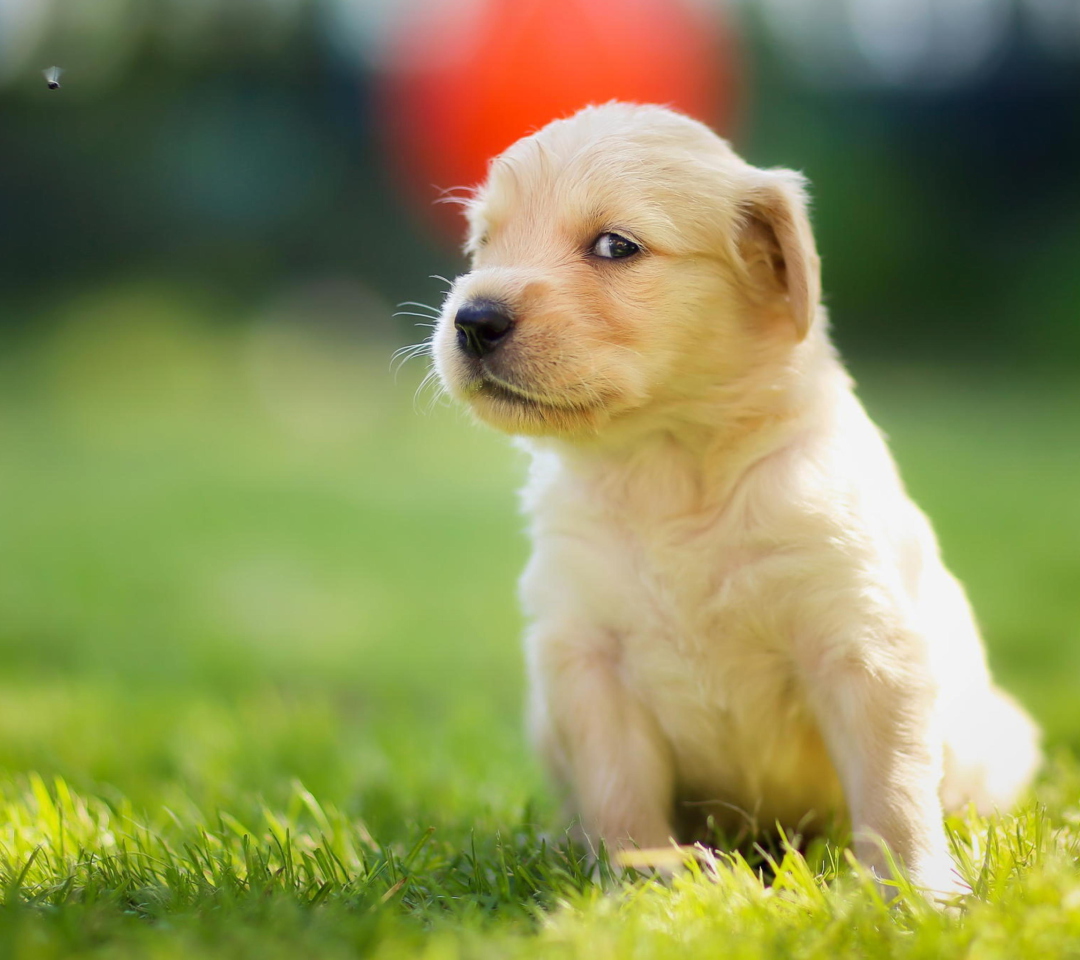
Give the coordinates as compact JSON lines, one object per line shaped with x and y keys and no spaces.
{"x":261,"y":680}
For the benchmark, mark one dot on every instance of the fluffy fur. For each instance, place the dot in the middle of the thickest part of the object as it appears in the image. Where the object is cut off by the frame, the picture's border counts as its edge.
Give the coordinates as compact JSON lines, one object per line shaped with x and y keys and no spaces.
{"x":735,"y":607}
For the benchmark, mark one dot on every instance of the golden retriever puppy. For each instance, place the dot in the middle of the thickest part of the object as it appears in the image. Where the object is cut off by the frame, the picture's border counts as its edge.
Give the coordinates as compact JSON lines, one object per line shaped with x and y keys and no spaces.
{"x":734,"y":604}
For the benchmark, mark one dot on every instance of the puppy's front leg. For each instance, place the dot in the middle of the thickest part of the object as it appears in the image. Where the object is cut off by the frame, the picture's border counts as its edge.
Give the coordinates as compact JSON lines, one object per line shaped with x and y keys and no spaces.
{"x":600,"y":741}
{"x":876,"y":712}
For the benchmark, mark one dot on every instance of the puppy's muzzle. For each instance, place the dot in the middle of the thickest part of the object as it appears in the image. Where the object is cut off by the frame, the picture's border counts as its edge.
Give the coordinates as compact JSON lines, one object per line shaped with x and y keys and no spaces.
{"x":481,"y":326}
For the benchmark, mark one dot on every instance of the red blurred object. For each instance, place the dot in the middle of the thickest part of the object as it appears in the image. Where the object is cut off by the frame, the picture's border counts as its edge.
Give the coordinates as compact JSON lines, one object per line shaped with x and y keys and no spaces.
{"x":466,"y":78}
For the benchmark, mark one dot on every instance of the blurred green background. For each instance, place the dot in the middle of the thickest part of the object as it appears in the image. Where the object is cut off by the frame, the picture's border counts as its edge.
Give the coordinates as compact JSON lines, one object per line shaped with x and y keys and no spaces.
{"x":238,"y":551}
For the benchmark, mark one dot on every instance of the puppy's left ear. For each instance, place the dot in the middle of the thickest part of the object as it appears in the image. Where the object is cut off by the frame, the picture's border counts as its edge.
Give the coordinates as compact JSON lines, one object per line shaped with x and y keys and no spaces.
{"x":777,"y":247}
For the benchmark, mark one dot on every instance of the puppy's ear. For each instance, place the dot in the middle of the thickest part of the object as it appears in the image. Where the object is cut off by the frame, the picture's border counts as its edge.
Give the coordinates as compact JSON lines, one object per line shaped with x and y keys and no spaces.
{"x":777,"y":247}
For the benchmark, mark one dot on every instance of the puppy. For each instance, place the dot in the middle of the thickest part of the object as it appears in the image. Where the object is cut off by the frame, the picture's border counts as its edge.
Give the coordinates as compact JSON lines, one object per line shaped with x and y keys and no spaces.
{"x":734,"y":604}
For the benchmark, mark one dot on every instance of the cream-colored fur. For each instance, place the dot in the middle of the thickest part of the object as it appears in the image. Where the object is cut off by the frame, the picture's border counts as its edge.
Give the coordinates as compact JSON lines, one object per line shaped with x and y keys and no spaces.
{"x":733,"y":602}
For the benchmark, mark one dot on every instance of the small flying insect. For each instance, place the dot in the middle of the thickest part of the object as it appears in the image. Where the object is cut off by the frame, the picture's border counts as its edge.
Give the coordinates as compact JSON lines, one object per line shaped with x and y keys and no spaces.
{"x":52,"y":77}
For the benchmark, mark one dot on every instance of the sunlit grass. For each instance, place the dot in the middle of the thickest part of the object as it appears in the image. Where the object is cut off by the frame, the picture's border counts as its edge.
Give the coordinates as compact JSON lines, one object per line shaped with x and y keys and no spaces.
{"x":261,"y":681}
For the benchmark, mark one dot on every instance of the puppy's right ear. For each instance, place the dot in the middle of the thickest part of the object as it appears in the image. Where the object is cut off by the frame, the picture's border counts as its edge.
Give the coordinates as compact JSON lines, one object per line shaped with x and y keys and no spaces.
{"x":777,"y":247}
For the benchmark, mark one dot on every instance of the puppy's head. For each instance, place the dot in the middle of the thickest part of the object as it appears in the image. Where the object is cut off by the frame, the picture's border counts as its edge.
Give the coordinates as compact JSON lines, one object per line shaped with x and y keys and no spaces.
{"x":623,"y":259}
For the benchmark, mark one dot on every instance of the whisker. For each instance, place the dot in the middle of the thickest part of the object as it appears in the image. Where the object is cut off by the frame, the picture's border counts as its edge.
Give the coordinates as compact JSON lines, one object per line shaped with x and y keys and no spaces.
{"x":396,"y":370}
{"x":411,"y":351}
{"x":417,"y":303}
{"x":439,"y":398}
{"x":409,"y":313}
{"x":461,"y":194}
{"x":432,"y":377}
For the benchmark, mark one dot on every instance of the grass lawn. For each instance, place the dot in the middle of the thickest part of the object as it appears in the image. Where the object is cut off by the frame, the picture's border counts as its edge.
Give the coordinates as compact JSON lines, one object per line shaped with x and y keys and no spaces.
{"x":261,"y":679}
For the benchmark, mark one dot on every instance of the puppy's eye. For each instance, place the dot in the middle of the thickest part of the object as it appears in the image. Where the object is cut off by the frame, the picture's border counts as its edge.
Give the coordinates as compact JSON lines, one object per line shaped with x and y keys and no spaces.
{"x":611,"y":246}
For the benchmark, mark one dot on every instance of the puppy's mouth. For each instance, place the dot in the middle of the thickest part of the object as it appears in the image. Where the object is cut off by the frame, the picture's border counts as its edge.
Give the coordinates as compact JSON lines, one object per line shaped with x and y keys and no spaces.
{"x":494,"y":387}
{"x":491,"y":386}
{"x":498,"y":396}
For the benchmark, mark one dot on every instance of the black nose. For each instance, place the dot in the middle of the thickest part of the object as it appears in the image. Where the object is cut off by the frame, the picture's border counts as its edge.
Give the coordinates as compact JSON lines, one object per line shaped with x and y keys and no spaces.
{"x":481,"y":325}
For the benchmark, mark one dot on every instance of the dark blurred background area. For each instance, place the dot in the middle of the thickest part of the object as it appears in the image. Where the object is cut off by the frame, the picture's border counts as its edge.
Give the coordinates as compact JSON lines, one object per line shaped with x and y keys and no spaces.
{"x":231,"y":151}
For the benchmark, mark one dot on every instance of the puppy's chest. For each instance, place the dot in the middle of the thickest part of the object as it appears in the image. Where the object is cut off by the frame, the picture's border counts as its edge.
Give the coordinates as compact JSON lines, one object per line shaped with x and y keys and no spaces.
{"x":699,"y":622}
{"x":693,"y":603}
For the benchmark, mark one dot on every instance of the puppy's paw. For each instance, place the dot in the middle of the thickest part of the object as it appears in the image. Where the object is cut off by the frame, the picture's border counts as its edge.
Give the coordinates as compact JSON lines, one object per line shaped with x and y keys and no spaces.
{"x":938,"y":880}
{"x":665,"y":861}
